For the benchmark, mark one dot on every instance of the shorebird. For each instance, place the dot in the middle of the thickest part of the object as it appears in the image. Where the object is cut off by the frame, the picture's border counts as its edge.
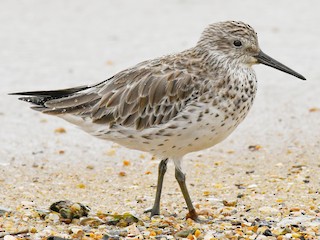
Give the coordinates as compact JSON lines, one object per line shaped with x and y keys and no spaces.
{"x":172,"y":105}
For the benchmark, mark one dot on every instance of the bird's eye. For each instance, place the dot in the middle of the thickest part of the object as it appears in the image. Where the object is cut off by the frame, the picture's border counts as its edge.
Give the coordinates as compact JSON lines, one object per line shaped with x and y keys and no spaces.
{"x":237,"y":43}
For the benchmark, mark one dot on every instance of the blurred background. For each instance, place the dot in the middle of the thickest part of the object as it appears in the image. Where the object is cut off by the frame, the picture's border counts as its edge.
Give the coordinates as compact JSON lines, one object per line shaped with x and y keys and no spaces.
{"x":59,"y":44}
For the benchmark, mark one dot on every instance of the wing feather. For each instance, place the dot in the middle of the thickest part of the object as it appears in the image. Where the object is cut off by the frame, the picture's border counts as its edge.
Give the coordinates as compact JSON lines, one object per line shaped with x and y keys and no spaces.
{"x":149,"y":94}
{"x":72,"y":101}
{"x":144,"y":98}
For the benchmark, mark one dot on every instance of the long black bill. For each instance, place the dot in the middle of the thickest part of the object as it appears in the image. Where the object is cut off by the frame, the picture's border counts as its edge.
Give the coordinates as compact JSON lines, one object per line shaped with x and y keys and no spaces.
{"x":269,"y":61}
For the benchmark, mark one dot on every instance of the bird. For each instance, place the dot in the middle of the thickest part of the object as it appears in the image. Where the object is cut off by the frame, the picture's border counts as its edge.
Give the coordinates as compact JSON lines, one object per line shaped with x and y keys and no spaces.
{"x":171,"y":105}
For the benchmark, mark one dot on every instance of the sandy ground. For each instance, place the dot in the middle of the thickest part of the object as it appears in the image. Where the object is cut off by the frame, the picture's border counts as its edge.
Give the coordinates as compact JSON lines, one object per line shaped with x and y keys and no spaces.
{"x":58,"y":44}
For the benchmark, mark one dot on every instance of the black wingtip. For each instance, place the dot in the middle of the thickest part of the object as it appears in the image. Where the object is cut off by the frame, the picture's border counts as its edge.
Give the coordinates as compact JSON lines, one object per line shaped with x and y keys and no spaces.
{"x":21,"y":93}
{"x":52,"y":93}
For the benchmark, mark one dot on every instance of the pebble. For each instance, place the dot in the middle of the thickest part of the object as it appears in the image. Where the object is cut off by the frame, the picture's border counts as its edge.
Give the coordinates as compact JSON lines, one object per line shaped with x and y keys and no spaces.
{"x":28,"y":203}
{"x":184,"y":233}
{"x":133,"y":230}
{"x":54,"y":217}
{"x":121,"y":233}
{"x":4,"y":210}
{"x":91,"y":221}
{"x":209,"y":235}
{"x":267,"y":232}
{"x":9,"y":237}
{"x":56,"y":238}
{"x":70,"y":210}
{"x":75,"y":230}
{"x":304,"y":219}
{"x":110,"y":237}
{"x":260,"y":237}
{"x":269,"y":210}
{"x":48,"y":231}
{"x":205,"y":212}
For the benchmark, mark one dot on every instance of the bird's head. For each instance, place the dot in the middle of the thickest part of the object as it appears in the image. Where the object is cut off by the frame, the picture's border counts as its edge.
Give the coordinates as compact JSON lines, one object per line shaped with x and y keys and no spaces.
{"x":237,"y":42}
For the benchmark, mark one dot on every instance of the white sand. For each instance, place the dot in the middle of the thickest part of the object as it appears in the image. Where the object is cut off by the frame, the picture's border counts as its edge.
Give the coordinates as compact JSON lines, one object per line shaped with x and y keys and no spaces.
{"x":59,"y":44}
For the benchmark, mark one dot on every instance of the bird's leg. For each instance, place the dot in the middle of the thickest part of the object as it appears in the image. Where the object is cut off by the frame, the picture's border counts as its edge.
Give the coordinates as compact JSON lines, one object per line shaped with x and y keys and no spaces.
{"x":161,"y":171}
{"x":181,"y":178}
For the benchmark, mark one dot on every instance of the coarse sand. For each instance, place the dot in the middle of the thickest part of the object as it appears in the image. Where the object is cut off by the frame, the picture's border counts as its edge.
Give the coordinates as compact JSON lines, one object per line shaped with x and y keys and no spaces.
{"x":260,"y":183}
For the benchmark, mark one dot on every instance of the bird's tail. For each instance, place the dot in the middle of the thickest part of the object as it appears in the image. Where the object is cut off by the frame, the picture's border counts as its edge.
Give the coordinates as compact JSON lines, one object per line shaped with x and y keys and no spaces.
{"x":70,"y":100}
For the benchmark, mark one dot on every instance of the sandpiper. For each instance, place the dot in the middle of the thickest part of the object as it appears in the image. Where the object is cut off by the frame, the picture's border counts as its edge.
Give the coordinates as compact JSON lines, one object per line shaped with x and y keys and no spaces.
{"x":172,"y":105}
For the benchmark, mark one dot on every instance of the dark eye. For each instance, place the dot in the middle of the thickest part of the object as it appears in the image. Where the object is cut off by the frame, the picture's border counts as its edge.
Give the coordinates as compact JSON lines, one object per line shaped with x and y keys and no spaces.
{"x":237,"y":43}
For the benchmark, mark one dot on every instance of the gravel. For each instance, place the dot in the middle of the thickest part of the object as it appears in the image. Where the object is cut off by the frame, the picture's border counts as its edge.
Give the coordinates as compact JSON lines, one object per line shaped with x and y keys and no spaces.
{"x":260,"y":183}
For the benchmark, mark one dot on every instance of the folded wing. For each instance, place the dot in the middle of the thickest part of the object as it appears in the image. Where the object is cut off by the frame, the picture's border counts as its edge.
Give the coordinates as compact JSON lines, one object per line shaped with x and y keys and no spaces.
{"x":138,"y":98}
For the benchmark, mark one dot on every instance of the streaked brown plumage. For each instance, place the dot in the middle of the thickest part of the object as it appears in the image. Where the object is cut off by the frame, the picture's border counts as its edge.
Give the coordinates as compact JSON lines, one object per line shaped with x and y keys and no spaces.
{"x":172,"y":105}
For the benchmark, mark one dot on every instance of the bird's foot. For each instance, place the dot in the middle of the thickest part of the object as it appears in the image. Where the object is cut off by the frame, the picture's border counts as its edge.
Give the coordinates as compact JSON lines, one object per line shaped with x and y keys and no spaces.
{"x":194,"y":216}
{"x":153,"y":211}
